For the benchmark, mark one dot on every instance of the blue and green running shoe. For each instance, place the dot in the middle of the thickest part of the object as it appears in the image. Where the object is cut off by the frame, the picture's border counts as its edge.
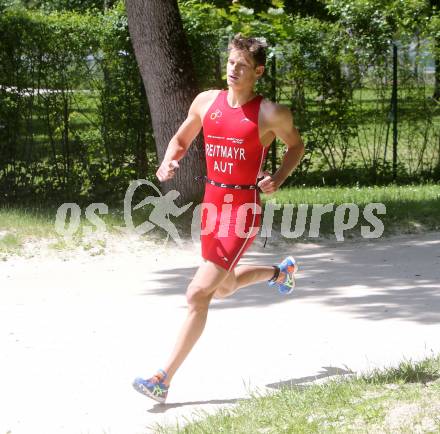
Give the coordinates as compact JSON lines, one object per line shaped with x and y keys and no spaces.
{"x":286,"y":276}
{"x":153,"y":387}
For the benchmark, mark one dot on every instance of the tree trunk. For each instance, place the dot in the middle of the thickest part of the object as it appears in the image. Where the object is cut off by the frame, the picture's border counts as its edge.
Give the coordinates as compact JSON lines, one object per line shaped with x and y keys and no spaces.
{"x":436,"y":94}
{"x":141,"y":145}
{"x":164,"y":60}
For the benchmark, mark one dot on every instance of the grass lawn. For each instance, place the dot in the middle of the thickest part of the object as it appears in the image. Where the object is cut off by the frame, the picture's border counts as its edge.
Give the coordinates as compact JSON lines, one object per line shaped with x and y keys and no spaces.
{"x":405,"y":399}
{"x":18,"y":225}
{"x":409,"y":209}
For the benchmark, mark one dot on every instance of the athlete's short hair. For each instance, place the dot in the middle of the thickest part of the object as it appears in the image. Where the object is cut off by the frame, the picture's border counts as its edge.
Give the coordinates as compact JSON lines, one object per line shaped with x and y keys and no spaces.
{"x":255,"y":47}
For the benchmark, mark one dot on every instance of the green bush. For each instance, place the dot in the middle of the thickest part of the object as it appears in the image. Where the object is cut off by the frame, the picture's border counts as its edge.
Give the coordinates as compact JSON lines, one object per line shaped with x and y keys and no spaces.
{"x":75,"y":122}
{"x":73,"y":111}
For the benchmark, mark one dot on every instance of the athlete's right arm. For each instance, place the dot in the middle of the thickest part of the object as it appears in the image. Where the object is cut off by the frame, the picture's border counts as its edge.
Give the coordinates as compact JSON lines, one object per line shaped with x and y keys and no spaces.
{"x":183,"y":138}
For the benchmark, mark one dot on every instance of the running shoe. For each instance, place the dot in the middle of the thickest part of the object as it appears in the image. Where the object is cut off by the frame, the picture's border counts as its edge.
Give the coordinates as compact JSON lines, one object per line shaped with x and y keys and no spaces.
{"x":286,"y":277}
{"x":153,"y":387}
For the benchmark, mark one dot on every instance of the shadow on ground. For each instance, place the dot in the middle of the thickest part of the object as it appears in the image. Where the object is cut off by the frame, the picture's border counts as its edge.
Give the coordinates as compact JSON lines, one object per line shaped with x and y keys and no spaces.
{"x":378,"y":279}
{"x":300,"y":383}
{"x":162,"y":408}
{"x":297,"y":383}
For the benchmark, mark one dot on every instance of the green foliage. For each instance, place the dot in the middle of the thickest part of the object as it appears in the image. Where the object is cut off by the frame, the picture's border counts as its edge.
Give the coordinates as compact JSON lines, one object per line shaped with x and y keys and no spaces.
{"x":369,"y":24}
{"x":85,"y":129}
{"x":62,"y":5}
{"x":72,"y":105}
{"x":203,"y":24}
{"x":336,"y":77}
{"x":43,"y":53}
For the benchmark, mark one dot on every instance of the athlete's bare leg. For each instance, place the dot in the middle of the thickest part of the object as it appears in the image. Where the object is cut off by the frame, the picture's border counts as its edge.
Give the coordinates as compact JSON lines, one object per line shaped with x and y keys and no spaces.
{"x":210,"y":280}
{"x":241,"y":276}
{"x":199,"y":294}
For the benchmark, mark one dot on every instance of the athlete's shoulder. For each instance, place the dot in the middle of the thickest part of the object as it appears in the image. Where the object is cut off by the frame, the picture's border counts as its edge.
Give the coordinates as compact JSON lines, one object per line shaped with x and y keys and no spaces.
{"x":207,"y":95}
{"x":274,"y":113}
{"x":203,"y":100}
{"x":273,"y":108}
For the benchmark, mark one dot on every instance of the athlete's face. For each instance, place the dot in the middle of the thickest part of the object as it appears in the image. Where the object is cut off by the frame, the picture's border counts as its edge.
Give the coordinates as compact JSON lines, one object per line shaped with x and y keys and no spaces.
{"x":241,"y":70}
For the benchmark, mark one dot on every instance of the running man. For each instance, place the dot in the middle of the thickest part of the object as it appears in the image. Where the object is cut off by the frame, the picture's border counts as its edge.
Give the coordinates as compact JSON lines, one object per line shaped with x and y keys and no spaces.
{"x":238,"y":128}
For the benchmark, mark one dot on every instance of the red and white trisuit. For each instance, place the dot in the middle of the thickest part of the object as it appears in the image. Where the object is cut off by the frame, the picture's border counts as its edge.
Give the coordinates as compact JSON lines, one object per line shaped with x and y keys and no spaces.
{"x":234,"y":156}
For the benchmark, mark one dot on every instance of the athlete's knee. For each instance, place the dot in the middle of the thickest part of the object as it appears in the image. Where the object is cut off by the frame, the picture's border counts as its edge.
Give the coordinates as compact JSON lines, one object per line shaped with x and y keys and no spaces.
{"x":198,"y":297}
{"x":222,"y":292}
{"x":227,"y":288}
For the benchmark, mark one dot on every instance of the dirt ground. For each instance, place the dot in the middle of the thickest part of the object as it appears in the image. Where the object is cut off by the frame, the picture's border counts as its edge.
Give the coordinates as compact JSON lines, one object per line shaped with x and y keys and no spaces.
{"x":77,"y":326}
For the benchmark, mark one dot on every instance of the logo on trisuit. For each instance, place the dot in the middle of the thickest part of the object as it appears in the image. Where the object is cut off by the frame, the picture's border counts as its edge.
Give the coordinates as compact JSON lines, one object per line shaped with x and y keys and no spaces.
{"x":216,"y":114}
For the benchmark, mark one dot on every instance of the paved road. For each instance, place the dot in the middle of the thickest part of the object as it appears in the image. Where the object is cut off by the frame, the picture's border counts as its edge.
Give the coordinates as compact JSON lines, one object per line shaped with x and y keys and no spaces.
{"x":73,"y":334}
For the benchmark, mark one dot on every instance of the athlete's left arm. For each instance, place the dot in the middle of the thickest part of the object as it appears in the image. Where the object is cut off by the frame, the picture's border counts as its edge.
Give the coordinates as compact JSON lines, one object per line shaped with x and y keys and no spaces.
{"x":281,"y":124}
